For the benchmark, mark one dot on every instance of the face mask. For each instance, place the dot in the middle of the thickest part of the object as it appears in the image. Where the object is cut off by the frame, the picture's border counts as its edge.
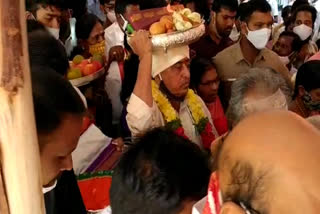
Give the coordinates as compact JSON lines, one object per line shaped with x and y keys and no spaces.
{"x":259,"y":38}
{"x":98,"y":48}
{"x":309,"y":103}
{"x":124,"y":27}
{"x":234,"y":35}
{"x":112,"y":16}
{"x":54,"y":32}
{"x":303,"y":31}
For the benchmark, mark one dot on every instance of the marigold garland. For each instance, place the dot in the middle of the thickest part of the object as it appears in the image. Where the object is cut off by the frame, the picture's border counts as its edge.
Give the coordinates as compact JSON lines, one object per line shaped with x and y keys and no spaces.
{"x":201,"y":122}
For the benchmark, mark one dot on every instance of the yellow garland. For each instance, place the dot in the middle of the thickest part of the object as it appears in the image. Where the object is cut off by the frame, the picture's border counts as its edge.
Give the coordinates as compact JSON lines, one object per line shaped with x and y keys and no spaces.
{"x":170,"y":113}
{"x":164,"y":105}
{"x":195,"y":106}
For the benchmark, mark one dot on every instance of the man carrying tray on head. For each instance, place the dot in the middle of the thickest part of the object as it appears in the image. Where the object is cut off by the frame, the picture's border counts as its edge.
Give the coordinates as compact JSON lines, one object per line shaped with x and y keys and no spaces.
{"x":165,"y":99}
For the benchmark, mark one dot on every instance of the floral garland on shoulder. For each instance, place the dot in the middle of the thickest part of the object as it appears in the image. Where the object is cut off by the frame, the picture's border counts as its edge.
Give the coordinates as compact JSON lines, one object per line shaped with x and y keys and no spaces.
{"x":173,"y":122}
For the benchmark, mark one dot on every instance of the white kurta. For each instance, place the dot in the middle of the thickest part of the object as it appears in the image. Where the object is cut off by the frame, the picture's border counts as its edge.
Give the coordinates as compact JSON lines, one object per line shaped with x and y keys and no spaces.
{"x":141,"y":118}
{"x":113,"y":83}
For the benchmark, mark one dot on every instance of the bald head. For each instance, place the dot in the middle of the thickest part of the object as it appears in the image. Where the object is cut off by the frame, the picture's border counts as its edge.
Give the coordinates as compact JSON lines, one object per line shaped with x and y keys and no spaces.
{"x":271,"y":163}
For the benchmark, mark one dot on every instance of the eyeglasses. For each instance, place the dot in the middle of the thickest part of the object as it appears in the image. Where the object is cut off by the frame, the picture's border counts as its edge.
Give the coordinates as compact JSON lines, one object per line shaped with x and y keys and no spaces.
{"x":211,"y":83}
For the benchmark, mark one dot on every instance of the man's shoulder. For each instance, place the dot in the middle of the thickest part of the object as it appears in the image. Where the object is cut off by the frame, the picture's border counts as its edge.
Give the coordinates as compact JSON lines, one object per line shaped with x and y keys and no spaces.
{"x":225,"y":56}
{"x":228,"y":50}
{"x":271,"y":55}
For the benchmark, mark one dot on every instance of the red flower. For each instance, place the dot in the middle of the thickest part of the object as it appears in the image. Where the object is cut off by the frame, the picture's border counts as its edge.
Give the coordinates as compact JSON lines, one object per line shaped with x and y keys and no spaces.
{"x":208,"y":127}
{"x":180,"y":132}
{"x":207,"y":136}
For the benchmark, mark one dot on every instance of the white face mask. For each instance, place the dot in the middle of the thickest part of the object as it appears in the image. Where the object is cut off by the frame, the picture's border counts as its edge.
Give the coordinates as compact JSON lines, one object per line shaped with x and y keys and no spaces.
{"x":303,"y":31}
{"x":234,"y":35}
{"x":125,"y":24}
{"x":259,"y":38}
{"x":112,"y":16}
{"x":54,"y":32}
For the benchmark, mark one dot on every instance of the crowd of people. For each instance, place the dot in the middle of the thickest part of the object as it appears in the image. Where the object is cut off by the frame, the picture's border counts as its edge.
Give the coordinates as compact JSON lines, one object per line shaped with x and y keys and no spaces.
{"x":227,"y":124}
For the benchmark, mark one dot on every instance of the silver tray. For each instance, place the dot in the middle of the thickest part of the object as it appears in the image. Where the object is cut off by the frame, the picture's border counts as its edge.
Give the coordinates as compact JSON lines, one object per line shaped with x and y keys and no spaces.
{"x":178,"y":38}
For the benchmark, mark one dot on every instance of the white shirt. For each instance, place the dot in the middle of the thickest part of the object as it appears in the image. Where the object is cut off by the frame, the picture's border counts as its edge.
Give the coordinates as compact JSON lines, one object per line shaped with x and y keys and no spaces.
{"x":141,"y":118}
{"x":274,"y":7}
{"x":113,"y":84}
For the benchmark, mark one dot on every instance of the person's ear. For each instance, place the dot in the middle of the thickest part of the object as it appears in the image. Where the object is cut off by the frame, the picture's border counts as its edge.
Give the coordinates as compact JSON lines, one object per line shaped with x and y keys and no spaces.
{"x":231,"y":208}
{"x":30,"y":16}
{"x":214,"y":16}
{"x":243,"y":27}
{"x":301,"y":91}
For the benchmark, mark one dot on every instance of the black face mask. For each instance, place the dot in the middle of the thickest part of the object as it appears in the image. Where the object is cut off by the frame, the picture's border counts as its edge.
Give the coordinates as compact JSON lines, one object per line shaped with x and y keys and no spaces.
{"x":169,"y":95}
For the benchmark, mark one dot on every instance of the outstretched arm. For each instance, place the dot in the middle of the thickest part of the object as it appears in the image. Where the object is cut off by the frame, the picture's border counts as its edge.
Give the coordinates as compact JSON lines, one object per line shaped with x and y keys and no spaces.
{"x":141,"y":45}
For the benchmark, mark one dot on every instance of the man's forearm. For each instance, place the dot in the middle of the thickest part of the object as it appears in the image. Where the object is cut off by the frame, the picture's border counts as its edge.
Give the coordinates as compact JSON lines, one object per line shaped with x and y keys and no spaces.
{"x":142,"y":87}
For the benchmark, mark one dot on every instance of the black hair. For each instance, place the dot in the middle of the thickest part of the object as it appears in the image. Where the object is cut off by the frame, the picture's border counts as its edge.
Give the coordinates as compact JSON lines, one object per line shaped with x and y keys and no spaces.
{"x":306,"y":8}
{"x":121,"y":5}
{"x":46,"y":51}
{"x":53,"y":98}
{"x":198,"y":67}
{"x":85,"y":24}
{"x":298,"y":3}
{"x":318,"y":43}
{"x":289,"y":23}
{"x":308,"y":76}
{"x":102,"y":2}
{"x":33,"y":5}
{"x":296,"y":43}
{"x":147,"y":4}
{"x":231,"y":5}
{"x":158,"y":174}
{"x":241,"y":11}
{"x":286,"y":11}
{"x":255,"y":5}
{"x":33,"y":25}
{"x":79,"y":8}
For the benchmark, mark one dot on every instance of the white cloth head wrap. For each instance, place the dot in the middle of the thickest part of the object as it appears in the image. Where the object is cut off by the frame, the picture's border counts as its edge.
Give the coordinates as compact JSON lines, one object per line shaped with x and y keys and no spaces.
{"x":161,"y":59}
